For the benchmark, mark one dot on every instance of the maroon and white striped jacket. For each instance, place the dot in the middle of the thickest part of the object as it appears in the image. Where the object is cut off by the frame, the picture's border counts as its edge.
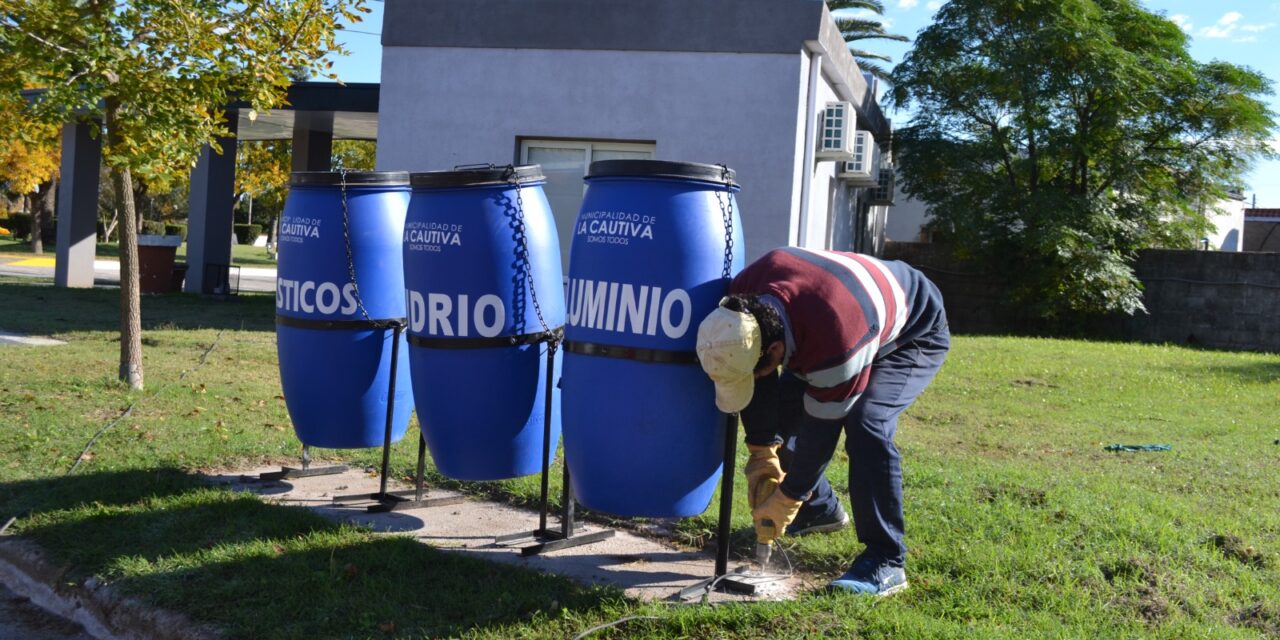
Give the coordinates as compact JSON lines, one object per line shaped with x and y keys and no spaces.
{"x":843,"y":311}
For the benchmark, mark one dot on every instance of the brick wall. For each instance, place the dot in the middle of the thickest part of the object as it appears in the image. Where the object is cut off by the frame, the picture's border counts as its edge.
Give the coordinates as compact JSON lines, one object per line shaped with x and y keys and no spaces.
{"x":1211,"y":298}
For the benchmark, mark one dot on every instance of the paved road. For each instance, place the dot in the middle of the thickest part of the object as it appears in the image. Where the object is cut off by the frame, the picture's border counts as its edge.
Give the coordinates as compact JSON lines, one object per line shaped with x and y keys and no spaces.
{"x":107,"y":272}
{"x":21,"y":620}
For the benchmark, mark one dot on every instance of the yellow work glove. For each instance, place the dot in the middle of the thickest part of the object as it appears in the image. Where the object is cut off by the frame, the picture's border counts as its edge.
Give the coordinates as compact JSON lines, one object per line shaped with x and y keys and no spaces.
{"x":763,"y":472}
{"x":773,"y":515}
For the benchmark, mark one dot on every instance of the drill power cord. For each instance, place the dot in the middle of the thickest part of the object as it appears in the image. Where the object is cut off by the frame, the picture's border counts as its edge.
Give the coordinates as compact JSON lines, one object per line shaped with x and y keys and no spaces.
{"x":761,"y":576}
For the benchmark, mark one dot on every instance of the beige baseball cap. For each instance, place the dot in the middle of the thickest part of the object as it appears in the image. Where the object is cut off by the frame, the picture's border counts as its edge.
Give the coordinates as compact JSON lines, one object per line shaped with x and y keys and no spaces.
{"x":728,"y":348}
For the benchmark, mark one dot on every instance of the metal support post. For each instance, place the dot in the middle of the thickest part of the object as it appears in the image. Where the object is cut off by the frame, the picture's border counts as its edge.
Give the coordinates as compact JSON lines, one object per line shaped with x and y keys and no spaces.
{"x":398,"y":500}
{"x":722,"y":580}
{"x":547,"y":540}
{"x":306,"y":471}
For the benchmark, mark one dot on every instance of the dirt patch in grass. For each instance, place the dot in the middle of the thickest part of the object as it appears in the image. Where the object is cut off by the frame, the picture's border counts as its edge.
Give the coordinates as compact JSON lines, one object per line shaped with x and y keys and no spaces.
{"x":1147,"y":597}
{"x":1260,"y":616}
{"x":1235,"y":548}
{"x":1026,"y":496}
{"x":1033,"y":382}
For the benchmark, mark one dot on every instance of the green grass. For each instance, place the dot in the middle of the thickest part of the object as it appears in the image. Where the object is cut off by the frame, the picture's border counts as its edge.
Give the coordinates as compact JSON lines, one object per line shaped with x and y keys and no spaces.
{"x":244,"y":255}
{"x":1019,"y":523}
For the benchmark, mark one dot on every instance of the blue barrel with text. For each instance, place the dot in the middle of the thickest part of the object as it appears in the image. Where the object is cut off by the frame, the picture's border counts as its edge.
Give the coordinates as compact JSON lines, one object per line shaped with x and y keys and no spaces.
{"x":654,"y":247}
{"x":485,"y":295}
{"x":339,"y":288}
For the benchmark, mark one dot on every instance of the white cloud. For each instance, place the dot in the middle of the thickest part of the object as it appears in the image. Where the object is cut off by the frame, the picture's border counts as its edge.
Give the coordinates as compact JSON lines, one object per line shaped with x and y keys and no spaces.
{"x":908,"y":4}
{"x":867,"y":14}
{"x":933,"y":5}
{"x":1256,"y":28}
{"x":1184,"y":22}
{"x":1245,"y":39}
{"x":1225,"y":26}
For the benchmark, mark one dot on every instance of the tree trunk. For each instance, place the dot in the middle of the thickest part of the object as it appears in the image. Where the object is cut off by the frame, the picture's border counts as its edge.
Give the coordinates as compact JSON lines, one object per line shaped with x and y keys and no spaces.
{"x":37,"y":221}
{"x":47,"y":206}
{"x":110,"y":226}
{"x":130,"y":299}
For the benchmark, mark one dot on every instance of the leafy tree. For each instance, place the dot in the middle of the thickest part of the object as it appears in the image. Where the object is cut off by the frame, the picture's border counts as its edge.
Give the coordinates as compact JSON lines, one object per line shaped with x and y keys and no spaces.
{"x":29,"y":157}
{"x":157,"y":76}
{"x":262,"y":174}
{"x":855,"y":29}
{"x":355,"y":155}
{"x":1053,"y":139}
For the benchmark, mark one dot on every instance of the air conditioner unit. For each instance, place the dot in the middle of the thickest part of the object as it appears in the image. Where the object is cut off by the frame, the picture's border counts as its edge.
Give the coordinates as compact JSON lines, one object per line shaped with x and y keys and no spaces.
{"x":883,"y":193}
{"x":837,"y":128}
{"x":860,"y":171}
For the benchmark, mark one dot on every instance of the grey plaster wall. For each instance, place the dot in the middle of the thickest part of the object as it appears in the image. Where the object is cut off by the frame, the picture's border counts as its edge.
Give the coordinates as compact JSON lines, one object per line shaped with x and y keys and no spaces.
{"x":705,"y":26}
{"x":739,"y":26}
{"x":442,"y":107}
{"x":1222,"y":299}
{"x":1219,"y":299}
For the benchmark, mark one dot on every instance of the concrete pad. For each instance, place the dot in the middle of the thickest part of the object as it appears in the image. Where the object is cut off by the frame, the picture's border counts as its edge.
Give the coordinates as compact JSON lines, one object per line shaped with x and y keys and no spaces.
{"x":7,"y":338}
{"x":644,"y":568}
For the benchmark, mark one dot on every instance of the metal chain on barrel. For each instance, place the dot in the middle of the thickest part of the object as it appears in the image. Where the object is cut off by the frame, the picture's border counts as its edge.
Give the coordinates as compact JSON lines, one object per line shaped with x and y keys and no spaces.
{"x":522,"y":257}
{"x":726,"y":210}
{"x":346,"y":238}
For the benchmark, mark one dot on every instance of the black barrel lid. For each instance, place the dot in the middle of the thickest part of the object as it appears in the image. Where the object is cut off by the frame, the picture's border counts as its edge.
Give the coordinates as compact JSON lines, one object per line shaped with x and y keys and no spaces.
{"x":351,"y":178}
{"x":482,"y":175}
{"x":713,"y":173}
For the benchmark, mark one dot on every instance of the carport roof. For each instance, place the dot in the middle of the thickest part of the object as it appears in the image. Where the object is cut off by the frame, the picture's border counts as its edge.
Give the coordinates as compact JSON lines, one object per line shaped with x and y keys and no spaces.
{"x":348,"y":111}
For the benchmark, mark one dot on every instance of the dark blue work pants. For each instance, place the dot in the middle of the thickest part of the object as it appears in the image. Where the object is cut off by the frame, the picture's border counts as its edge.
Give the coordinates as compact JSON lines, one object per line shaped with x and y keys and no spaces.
{"x":875,"y":468}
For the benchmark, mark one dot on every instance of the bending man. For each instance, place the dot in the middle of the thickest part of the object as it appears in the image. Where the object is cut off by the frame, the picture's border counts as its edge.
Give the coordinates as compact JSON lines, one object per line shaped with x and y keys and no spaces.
{"x":857,"y":340}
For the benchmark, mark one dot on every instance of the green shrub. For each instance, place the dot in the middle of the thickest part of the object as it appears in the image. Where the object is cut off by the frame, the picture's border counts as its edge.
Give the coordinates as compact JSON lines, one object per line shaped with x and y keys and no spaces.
{"x":19,"y":224}
{"x":247,"y":233}
{"x":48,"y":232}
{"x":176,"y":230}
{"x":153,"y":227}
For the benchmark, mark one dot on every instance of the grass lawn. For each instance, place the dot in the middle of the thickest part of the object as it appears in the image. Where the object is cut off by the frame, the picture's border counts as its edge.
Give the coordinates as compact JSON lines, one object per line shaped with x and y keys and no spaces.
{"x":243,"y":255}
{"x":1020,"y":524}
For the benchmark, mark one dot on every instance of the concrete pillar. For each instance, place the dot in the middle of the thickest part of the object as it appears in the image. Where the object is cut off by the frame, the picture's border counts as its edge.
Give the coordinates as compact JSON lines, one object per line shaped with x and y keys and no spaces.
{"x":77,"y":206}
{"x":212,"y":202}
{"x":312,"y":141}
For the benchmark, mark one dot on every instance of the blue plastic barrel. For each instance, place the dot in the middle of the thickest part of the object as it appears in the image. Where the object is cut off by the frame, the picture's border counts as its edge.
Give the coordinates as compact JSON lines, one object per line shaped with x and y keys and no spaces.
{"x":337,"y":287}
{"x":485,"y":293}
{"x":654,"y":247}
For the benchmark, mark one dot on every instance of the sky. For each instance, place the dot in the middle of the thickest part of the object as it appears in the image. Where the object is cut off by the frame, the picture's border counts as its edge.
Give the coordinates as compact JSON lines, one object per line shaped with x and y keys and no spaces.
{"x":1243,"y":32}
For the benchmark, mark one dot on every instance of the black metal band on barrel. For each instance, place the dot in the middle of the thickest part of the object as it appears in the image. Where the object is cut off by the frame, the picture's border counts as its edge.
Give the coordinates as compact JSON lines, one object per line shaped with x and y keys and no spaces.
{"x":339,"y":325}
{"x":657,"y":356}
{"x":436,"y":342}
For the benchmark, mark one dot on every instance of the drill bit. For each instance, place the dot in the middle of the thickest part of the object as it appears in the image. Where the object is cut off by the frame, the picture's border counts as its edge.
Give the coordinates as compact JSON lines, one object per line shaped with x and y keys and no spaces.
{"x":764,"y":551}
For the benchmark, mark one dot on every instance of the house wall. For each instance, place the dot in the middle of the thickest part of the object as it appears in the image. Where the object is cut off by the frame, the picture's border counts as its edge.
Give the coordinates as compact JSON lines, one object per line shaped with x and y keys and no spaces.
{"x":906,"y":219}
{"x":444,"y":106}
{"x":1262,"y":235}
{"x":1227,"y":218}
{"x":1262,"y":230}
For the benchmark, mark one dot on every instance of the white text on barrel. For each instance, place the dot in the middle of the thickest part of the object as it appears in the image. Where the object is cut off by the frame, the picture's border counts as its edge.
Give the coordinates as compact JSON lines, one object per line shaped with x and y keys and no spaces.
{"x":440,"y":314}
{"x":627,"y":308}
{"x":309,"y":296}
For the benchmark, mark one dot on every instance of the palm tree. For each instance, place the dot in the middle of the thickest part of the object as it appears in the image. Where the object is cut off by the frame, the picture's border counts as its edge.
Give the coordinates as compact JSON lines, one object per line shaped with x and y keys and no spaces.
{"x":863,"y":28}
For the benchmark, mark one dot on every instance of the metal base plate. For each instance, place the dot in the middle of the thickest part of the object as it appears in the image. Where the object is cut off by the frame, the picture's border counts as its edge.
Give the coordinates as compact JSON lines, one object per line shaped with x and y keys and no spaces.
{"x":398,"y":501}
{"x":729,"y":583}
{"x":548,"y":540}
{"x":286,"y":473}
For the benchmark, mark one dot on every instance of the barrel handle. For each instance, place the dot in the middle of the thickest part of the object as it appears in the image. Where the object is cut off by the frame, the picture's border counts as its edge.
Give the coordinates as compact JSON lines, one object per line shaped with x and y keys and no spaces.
{"x":478,"y":165}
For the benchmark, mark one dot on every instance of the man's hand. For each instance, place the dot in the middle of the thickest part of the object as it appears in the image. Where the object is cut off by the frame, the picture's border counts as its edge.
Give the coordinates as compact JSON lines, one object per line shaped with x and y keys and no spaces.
{"x":763,"y":471}
{"x":773,"y":515}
